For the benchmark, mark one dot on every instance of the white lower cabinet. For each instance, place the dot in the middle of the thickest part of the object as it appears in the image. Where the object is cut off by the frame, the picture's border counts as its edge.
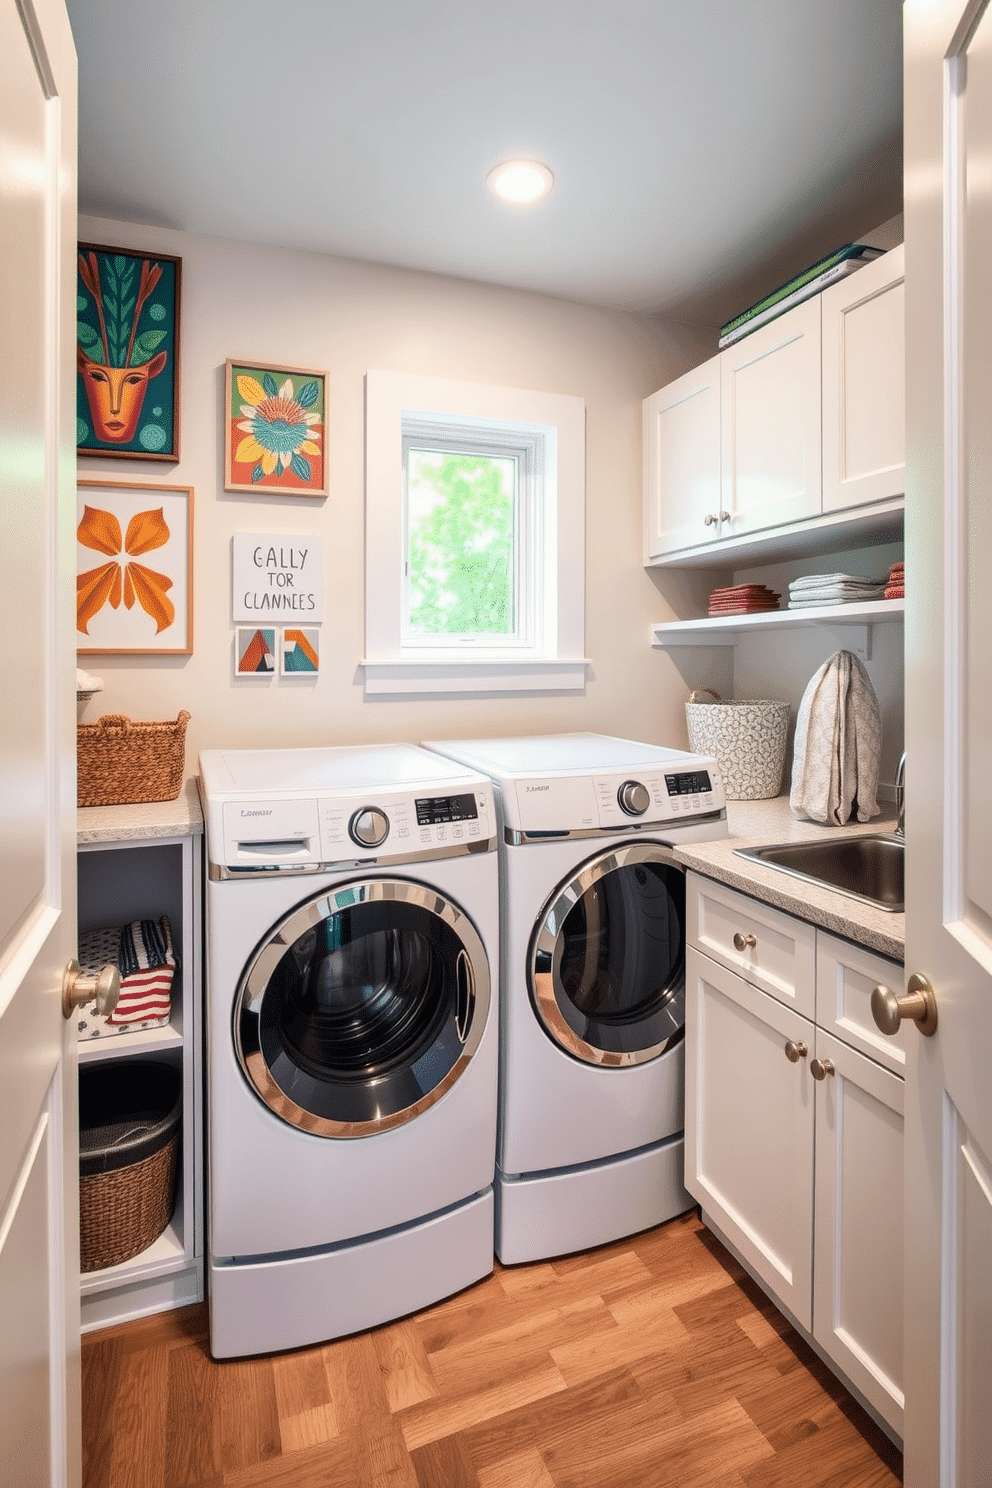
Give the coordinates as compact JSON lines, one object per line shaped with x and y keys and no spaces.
{"x":793,"y":1134}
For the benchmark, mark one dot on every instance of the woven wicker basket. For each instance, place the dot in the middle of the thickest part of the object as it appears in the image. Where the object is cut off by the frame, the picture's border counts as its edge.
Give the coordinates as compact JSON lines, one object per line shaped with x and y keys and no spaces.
{"x":120,"y":762}
{"x":130,"y":1114}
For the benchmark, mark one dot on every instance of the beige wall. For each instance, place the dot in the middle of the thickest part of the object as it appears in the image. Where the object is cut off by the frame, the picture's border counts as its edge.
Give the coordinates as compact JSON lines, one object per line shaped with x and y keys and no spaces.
{"x":345,"y":317}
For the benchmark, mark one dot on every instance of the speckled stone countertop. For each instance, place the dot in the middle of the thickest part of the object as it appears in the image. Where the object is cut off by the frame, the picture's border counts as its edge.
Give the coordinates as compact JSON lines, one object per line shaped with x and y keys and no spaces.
{"x":179,"y":818}
{"x":760,"y":823}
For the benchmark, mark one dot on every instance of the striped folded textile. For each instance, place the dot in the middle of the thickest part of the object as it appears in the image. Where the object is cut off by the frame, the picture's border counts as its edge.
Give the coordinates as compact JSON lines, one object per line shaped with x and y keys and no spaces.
{"x":146,"y":964}
{"x":144,"y":956}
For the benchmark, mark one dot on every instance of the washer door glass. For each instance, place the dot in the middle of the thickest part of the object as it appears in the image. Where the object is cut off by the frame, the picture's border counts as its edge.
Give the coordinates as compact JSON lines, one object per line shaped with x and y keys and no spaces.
{"x":362,"y":1008}
{"x":607,"y":964}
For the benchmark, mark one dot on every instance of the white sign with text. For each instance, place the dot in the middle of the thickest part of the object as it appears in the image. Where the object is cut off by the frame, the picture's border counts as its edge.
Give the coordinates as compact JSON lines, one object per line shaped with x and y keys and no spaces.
{"x":277,"y":577}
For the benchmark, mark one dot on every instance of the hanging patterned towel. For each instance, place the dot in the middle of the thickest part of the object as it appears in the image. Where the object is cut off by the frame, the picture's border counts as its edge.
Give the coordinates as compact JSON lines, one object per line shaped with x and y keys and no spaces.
{"x":145,"y":958}
{"x":838,"y":742}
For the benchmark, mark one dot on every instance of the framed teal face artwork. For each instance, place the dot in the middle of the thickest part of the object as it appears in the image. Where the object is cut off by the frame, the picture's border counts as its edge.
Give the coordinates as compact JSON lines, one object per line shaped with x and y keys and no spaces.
{"x":127,"y":353}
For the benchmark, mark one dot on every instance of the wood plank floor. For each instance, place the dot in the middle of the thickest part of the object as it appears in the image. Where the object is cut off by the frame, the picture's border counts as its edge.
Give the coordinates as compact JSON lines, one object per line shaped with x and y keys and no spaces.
{"x":651,"y":1363}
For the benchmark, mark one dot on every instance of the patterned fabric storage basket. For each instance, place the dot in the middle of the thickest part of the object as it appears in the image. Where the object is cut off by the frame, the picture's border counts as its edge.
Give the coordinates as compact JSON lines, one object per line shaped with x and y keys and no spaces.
{"x":129,"y":1118}
{"x":119,"y":762}
{"x":747,"y":739}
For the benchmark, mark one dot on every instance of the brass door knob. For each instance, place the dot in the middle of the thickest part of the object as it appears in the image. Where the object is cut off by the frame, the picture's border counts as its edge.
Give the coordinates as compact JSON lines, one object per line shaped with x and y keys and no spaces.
{"x":821,"y":1068}
{"x":919,"y":1003}
{"x":78,"y":988}
{"x":796,"y":1050}
{"x":744,"y":942}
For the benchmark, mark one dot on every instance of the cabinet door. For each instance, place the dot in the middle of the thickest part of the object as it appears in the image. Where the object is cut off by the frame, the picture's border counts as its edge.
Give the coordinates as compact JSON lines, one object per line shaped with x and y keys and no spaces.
{"x":864,"y":385}
{"x":858,"y":1241}
{"x":770,"y":417}
{"x":682,"y":462}
{"x":749,"y":1126}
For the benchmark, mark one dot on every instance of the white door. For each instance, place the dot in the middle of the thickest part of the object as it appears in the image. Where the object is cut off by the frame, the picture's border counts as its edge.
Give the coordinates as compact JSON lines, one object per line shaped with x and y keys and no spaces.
{"x":39,"y":1224}
{"x":948,"y":184}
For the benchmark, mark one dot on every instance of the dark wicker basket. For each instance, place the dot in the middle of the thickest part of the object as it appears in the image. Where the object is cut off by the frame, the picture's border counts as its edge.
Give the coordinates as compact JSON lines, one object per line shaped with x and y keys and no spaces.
{"x":119,"y":762}
{"x":130,"y":1113}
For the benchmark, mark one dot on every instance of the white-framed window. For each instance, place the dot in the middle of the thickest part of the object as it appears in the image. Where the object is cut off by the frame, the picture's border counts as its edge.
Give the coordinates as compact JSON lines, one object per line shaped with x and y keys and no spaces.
{"x":475,"y":537}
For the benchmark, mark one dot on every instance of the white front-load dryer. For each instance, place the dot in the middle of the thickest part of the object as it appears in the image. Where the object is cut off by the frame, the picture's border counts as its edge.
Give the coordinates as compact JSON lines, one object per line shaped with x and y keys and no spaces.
{"x":352,"y":1030}
{"x":590,"y":1142}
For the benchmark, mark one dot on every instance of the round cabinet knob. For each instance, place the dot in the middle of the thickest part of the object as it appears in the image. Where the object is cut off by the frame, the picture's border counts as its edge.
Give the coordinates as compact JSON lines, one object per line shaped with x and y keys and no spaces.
{"x":711,"y":519}
{"x":796,"y":1050}
{"x":633,"y":798}
{"x":744,"y":942}
{"x":78,"y":988}
{"x":821,"y":1068}
{"x":889,"y":1009}
{"x":369,"y":827}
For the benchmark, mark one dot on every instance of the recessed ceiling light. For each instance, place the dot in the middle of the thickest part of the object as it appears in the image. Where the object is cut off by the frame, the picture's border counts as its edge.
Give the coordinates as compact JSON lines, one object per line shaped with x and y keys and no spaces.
{"x":520,"y":180}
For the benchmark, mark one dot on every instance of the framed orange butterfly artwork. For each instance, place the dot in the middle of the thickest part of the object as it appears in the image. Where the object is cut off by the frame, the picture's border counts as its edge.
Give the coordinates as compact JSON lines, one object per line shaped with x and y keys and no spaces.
{"x":134,"y":568}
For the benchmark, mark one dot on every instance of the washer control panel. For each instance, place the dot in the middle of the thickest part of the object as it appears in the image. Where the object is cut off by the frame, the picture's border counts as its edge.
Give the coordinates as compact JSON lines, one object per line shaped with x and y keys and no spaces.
{"x":299,"y":835}
{"x":406,"y":823}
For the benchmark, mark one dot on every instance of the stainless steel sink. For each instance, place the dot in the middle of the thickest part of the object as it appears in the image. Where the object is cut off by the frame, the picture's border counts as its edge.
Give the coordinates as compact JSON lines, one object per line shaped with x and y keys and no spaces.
{"x":869,"y":868}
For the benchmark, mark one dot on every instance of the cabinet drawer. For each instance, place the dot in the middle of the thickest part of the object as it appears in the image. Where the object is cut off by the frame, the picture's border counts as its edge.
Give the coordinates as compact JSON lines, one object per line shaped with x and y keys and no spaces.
{"x":771,"y":950}
{"x":845,"y":976}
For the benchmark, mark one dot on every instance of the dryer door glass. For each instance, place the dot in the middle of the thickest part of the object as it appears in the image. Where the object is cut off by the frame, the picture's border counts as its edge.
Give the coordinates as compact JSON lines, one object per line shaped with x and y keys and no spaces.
{"x":607,"y":967}
{"x":362,"y":1008}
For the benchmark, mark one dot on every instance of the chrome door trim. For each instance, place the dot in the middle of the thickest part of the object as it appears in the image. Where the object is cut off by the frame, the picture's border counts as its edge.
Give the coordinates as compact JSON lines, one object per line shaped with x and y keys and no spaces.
{"x":255,"y":979}
{"x":220,"y":872}
{"x":513,"y":837}
{"x":545,"y":939}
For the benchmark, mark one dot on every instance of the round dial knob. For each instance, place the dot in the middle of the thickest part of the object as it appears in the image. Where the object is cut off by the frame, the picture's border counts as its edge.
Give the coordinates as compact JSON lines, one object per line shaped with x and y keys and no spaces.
{"x":369,"y":827}
{"x":633,"y":798}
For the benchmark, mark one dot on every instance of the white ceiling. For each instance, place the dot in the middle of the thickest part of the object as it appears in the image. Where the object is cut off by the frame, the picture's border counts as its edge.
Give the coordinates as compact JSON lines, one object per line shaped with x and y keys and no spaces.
{"x":702,"y":149}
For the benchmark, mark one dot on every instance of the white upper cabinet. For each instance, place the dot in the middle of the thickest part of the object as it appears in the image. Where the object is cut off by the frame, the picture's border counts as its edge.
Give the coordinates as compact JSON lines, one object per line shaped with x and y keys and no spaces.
{"x":795,"y":428}
{"x":682,"y":462}
{"x":864,"y":385}
{"x":770,"y":423}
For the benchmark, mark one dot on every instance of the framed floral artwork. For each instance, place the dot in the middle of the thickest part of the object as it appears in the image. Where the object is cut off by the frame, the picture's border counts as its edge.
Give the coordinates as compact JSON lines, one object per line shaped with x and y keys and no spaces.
{"x":127,"y":353}
{"x":275,"y":436}
{"x":134,"y":568}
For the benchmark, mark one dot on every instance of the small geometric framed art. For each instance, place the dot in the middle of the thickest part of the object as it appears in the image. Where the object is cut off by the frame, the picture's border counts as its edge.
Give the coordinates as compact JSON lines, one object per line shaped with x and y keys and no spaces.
{"x":254,"y":652}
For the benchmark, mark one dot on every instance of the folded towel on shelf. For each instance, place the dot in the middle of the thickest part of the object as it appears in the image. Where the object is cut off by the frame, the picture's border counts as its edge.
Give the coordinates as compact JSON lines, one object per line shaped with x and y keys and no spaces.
{"x":833,"y":589}
{"x":743,"y":599}
{"x":834,"y":597}
{"x":833,"y":580}
{"x":894,"y":591}
{"x":837,"y":746}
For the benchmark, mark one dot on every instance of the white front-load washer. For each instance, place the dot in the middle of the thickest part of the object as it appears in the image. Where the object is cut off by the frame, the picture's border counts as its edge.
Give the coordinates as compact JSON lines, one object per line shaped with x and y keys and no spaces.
{"x":352,"y":1007}
{"x":590,"y":1143}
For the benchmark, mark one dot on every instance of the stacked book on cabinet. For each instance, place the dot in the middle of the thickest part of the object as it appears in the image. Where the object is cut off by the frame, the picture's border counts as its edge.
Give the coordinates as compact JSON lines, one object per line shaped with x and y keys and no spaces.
{"x":802,"y":286}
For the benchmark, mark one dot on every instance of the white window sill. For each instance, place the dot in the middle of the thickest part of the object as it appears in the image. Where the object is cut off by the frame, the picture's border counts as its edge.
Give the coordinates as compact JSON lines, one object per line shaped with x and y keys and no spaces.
{"x":479,"y":675}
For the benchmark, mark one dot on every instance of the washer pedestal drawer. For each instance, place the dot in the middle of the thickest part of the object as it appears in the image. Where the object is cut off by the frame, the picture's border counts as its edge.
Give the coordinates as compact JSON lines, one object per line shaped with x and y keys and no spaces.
{"x":259,"y":1307}
{"x":553,"y":1214}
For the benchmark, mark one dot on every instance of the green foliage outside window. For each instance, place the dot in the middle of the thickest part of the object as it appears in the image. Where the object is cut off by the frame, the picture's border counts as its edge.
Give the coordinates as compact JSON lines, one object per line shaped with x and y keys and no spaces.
{"x":461,"y":511}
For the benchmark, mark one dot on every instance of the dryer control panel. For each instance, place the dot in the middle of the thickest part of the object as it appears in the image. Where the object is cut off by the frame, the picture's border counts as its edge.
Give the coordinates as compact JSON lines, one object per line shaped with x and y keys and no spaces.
{"x":615,"y":799}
